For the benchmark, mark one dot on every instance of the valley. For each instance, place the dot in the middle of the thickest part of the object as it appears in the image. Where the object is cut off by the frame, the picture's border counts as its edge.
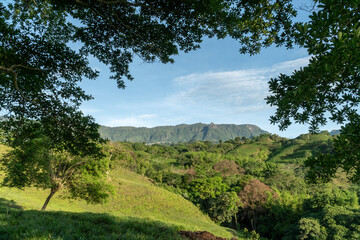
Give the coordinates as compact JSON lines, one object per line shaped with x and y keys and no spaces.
{"x":234,"y":188}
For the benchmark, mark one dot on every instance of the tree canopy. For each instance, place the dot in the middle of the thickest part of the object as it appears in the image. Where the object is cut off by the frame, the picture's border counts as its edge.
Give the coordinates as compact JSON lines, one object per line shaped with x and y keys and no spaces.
{"x":37,"y":163}
{"x":328,"y":87}
{"x":45,"y":47}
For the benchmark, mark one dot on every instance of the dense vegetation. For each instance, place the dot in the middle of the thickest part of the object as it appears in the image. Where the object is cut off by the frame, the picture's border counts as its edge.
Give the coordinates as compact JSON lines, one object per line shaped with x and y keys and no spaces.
{"x":254,"y":184}
{"x":180,"y":133}
{"x":259,"y":184}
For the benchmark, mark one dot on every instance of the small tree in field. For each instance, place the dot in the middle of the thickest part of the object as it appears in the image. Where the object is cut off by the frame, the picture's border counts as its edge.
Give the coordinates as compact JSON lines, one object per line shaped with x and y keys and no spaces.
{"x":36,"y":163}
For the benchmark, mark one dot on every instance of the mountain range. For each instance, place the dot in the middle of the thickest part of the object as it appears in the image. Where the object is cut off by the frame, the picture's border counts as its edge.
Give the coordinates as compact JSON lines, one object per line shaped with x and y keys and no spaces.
{"x":181,"y":133}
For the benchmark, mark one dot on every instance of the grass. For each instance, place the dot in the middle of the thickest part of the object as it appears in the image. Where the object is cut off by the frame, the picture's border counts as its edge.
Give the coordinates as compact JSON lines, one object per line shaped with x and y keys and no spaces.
{"x":248,"y":150}
{"x":33,"y":224}
{"x":300,"y":150}
{"x":138,"y":210}
{"x":282,"y":154}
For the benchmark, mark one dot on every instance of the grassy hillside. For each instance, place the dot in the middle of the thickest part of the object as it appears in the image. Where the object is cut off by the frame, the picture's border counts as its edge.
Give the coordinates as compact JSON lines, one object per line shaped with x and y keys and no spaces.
{"x":33,"y":224}
{"x":297,"y":150}
{"x":285,"y":151}
{"x":180,"y":133}
{"x":137,"y":209}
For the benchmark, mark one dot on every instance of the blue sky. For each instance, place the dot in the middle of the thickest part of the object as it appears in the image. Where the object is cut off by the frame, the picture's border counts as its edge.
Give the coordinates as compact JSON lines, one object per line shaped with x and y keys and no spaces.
{"x":213,"y":84}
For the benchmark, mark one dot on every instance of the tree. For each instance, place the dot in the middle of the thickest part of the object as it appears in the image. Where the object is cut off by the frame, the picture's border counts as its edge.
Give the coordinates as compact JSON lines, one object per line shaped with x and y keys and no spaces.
{"x":227,"y":168}
{"x":310,"y":228}
{"x":45,"y":46}
{"x":206,"y":188}
{"x":40,"y":71}
{"x":224,"y":208}
{"x":328,"y":86}
{"x":254,"y":198}
{"x":326,"y":196}
{"x":37,"y":163}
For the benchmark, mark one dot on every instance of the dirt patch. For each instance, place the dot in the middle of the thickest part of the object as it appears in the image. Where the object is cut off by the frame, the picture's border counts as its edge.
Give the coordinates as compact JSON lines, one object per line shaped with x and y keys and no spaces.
{"x":201,"y":235}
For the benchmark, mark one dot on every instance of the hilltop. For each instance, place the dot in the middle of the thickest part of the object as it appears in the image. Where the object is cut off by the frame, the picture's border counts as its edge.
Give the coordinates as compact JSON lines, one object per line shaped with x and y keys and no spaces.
{"x":181,"y":133}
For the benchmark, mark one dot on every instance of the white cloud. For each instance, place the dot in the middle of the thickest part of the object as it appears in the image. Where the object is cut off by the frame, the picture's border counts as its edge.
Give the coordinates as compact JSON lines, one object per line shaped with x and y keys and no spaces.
{"x":134,"y":121}
{"x":236,"y":91}
{"x":289,"y":66}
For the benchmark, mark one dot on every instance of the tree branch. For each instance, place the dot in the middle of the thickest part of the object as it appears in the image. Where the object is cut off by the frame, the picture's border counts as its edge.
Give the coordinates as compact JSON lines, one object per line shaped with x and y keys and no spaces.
{"x":12,"y":71}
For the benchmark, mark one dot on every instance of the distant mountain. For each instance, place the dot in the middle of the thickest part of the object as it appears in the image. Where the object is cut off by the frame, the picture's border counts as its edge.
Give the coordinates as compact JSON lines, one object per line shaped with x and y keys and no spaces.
{"x":334,"y":132}
{"x":180,"y":133}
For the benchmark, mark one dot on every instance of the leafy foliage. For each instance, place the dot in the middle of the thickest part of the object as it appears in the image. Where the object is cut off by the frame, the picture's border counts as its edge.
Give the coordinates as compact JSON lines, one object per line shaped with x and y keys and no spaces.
{"x":329,"y":82}
{"x":36,"y":163}
{"x":255,"y":183}
{"x":345,"y":158}
{"x":207,"y":188}
{"x":224,"y":207}
{"x":328,"y":86}
{"x":311,"y":229}
{"x":39,"y":73}
{"x":40,"y":68}
{"x":254,"y":198}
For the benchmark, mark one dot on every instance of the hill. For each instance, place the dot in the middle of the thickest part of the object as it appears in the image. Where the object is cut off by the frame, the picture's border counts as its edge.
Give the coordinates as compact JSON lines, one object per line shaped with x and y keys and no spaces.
{"x":282,"y":150}
{"x":161,"y":189}
{"x":266,"y":174}
{"x":335,"y":132}
{"x":181,"y":133}
{"x":138,"y":210}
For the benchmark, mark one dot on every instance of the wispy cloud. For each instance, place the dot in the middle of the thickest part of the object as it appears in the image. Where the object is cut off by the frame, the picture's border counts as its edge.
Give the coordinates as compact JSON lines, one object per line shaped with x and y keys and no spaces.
{"x":134,"y":121}
{"x":235,"y":91}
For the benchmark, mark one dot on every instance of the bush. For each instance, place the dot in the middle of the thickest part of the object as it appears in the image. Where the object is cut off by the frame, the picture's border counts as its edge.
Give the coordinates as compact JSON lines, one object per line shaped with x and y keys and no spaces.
{"x":331,"y":196}
{"x":311,"y":229}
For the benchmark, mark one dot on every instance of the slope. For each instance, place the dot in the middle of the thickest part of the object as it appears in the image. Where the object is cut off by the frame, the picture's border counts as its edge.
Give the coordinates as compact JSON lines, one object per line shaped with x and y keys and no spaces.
{"x":267,"y":148}
{"x":136,"y":200}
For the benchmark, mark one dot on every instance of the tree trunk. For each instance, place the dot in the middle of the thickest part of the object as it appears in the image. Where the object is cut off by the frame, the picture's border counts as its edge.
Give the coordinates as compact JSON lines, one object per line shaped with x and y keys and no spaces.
{"x":236,"y":224}
{"x":52,"y":192}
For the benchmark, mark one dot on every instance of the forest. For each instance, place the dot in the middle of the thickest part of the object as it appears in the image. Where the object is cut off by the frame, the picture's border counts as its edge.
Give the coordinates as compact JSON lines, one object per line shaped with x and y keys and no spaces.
{"x":259,"y":184}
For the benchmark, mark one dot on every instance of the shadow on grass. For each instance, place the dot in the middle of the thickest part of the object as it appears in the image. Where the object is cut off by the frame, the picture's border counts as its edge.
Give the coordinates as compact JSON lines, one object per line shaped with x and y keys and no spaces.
{"x":16,"y":223}
{"x":9,"y":204}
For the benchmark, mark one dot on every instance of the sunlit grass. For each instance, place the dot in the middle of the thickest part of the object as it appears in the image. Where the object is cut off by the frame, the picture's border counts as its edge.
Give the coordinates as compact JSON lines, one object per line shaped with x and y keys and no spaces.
{"x":34,"y":224}
{"x":246,"y":150}
{"x":136,"y":197}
